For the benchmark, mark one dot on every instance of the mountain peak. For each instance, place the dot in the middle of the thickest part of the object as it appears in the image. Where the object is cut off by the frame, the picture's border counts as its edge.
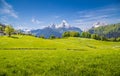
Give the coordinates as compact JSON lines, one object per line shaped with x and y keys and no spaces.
{"x":64,"y":24}
{"x":53,"y":26}
{"x":64,"y":21}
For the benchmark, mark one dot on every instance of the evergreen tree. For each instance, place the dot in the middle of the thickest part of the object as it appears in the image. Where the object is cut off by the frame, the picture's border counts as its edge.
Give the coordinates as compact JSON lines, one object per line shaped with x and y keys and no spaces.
{"x":42,"y":36}
{"x":52,"y":37}
{"x":95,"y":36}
{"x":71,"y":34}
{"x":85,"y":35}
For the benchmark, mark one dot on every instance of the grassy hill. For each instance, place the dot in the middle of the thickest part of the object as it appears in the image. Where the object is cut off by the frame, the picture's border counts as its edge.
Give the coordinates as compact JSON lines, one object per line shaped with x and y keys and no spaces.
{"x":71,"y":57}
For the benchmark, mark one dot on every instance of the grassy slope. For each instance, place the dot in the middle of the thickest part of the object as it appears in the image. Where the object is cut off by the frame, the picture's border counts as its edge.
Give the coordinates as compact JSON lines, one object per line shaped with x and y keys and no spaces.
{"x":95,"y":58}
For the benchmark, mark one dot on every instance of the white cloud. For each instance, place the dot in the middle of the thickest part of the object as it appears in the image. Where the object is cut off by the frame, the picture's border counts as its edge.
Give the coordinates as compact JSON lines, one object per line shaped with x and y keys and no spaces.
{"x":35,"y":21}
{"x":3,"y":19}
{"x":86,"y":19}
{"x":7,"y":9}
{"x":57,"y":17}
{"x":103,"y":12}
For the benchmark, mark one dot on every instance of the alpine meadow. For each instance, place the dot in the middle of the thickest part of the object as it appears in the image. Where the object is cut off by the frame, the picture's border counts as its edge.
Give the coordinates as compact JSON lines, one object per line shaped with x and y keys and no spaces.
{"x":64,"y":57}
{"x":59,"y":38}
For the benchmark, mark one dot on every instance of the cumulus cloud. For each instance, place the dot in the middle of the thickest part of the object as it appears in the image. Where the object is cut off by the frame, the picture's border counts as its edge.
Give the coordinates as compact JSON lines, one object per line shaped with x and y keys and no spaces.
{"x":57,"y":17}
{"x":7,"y":9}
{"x":35,"y":21}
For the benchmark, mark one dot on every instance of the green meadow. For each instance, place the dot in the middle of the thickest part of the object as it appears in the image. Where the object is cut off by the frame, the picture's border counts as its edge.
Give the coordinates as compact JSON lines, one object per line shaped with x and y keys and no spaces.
{"x":31,"y":56}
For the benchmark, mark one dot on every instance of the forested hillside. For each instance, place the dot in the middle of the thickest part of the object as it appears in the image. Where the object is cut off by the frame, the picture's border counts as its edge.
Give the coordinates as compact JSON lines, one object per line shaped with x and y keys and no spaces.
{"x":110,"y":31}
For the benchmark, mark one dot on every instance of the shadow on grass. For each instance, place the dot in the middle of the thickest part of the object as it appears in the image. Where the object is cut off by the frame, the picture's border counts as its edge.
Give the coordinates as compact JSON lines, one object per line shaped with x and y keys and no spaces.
{"x":14,"y":37}
{"x":91,"y":46}
{"x":77,"y":49}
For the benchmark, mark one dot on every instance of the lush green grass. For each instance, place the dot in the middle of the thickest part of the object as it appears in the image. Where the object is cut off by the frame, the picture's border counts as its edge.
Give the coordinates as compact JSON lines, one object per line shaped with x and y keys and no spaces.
{"x":72,"y":57}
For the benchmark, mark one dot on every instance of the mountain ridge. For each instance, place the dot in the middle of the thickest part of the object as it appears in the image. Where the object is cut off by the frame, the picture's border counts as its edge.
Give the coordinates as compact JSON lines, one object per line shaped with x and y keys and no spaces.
{"x":55,"y":30}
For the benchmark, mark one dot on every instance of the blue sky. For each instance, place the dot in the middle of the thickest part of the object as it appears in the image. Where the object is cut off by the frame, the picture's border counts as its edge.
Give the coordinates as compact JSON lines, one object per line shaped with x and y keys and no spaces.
{"x":35,"y":14}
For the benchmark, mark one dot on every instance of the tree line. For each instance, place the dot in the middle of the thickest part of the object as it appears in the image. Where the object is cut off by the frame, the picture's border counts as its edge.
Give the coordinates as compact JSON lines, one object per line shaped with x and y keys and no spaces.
{"x":9,"y":30}
{"x":88,"y":35}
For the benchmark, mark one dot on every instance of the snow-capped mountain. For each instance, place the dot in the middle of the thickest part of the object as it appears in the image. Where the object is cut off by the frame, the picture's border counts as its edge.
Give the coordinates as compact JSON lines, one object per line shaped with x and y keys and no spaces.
{"x":26,"y":31}
{"x":56,"y":30}
{"x":63,"y":24}
{"x":53,"y":26}
{"x":98,"y":24}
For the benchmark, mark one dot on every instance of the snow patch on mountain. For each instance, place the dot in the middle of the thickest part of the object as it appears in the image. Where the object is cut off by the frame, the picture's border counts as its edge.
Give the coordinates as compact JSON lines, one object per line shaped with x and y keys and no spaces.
{"x":98,"y":24}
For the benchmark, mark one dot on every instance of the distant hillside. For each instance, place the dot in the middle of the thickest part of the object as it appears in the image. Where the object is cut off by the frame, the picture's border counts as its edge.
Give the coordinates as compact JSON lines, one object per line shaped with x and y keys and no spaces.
{"x":109,"y":31}
{"x":47,"y":32}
